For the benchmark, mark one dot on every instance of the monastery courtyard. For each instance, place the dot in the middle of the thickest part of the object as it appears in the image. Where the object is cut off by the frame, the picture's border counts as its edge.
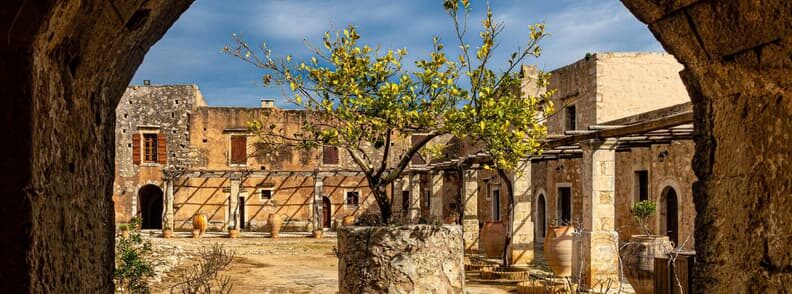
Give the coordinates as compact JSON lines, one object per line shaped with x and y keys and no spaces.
{"x":294,"y":263}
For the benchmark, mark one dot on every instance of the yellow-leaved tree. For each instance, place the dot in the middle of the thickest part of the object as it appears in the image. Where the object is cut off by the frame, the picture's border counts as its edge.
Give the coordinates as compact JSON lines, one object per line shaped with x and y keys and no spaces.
{"x":360,"y":99}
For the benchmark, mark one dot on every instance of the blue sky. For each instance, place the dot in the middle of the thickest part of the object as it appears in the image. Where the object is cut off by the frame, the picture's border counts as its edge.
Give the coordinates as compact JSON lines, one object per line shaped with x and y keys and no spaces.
{"x":191,"y":51}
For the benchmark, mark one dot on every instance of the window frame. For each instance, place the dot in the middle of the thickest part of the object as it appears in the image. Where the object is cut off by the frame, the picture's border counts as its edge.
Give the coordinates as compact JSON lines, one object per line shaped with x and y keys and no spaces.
{"x":271,"y":193}
{"x":346,"y":199}
{"x":145,"y":157}
{"x":231,"y":161}
{"x":337,"y":157}
{"x":638,"y":175}
{"x":570,"y":121}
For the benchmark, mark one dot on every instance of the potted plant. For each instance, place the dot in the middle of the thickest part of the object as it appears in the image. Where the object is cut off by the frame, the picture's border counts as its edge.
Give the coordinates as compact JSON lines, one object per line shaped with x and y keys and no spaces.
{"x":167,"y":232}
{"x":233,"y":232}
{"x":317,"y":233}
{"x":124,"y":229}
{"x":639,"y":253}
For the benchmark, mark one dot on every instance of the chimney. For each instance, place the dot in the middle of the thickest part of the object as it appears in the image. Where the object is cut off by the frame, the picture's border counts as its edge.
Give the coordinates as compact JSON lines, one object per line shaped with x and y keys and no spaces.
{"x":147,"y":82}
{"x":267,"y":103}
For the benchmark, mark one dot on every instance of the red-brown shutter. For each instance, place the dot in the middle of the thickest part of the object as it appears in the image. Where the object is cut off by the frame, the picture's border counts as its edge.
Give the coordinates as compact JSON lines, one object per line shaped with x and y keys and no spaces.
{"x":330,"y":155}
{"x":162,"y":149}
{"x":136,"y":149}
{"x":417,"y":158}
{"x":238,"y":149}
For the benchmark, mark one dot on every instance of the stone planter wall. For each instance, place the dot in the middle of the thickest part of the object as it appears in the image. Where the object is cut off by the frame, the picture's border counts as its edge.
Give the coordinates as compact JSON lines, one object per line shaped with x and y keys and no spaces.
{"x":407,"y":259}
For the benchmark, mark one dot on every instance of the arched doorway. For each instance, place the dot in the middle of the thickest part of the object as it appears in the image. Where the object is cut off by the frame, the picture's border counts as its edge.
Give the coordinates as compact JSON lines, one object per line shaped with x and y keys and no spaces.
{"x":541,"y":227}
{"x":326,"y":212}
{"x":670,"y":213}
{"x":150,"y":199}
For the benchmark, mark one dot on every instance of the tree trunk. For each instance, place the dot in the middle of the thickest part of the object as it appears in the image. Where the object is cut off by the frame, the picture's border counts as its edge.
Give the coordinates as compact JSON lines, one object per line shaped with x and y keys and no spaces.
{"x":381,"y":195}
{"x":510,"y":213}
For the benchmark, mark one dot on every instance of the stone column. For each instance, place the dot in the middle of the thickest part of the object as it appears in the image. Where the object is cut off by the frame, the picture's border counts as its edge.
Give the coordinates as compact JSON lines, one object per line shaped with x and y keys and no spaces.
{"x":396,"y":198}
{"x":317,"y":200}
{"x":436,"y":197}
{"x":233,"y":201}
{"x":415,"y":198}
{"x":470,"y":221}
{"x":167,"y":217}
{"x":597,"y":249}
{"x":522,"y":247}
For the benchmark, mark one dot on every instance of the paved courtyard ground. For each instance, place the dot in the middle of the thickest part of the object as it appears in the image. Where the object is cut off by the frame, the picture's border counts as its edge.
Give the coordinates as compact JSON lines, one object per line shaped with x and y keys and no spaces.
{"x":292,"y":264}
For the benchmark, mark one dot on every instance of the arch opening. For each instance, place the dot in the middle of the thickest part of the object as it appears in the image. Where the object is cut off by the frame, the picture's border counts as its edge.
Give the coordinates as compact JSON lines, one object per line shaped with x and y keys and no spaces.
{"x":669,"y":212}
{"x":151,"y":206}
{"x":326,"y":213}
{"x":541,"y":218}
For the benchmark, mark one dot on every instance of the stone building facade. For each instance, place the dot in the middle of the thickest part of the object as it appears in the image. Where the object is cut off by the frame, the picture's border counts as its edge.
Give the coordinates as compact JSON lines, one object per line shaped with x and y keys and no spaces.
{"x":585,"y":177}
{"x":177,"y":157}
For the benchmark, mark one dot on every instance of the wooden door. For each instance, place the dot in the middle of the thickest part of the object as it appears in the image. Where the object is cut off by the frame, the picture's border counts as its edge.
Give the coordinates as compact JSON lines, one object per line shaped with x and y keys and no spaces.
{"x":672,"y":216}
{"x":326,"y":212}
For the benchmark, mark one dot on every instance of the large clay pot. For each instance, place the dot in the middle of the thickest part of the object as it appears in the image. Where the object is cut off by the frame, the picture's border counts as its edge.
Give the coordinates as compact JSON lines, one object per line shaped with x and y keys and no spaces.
{"x":199,"y":223}
{"x":167,"y":233}
{"x":558,"y":250}
{"x":349,"y":220}
{"x":493,"y":237}
{"x":638,"y":257}
{"x":275,"y":222}
{"x":233,"y":233}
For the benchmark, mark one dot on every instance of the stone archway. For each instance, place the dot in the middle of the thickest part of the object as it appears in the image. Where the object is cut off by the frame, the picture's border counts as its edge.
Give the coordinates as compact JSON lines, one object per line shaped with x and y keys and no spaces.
{"x":67,"y":63}
{"x":669,"y":214}
{"x":541,"y":218}
{"x":150,"y":199}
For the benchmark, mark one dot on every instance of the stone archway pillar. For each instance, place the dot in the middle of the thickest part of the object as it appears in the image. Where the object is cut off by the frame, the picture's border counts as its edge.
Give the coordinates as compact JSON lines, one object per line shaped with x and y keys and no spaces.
{"x":396,"y":195}
{"x":167,"y":215}
{"x":318,"y":210}
{"x":596,"y":254}
{"x":233,"y":201}
{"x":436,"y":197}
{"x":470,"y":221}
{"x":522,"y":247}
{"x":414,"y":212}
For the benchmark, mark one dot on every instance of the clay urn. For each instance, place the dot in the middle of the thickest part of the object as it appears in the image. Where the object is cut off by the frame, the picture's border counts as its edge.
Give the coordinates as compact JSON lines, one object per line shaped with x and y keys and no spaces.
{"x":638,"y":257}
{"x":275,"y":222}
{"x":558,"y":250}
{"x":493,"y":237}
{"x":348,"y":220}
{"x":200,"y":223}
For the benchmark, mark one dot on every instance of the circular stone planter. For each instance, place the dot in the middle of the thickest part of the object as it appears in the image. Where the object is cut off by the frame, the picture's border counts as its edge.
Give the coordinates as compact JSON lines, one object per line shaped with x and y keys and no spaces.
{"x":514,"y":274}
{"x":473,"y":265}
{"x":545,"y":286}
{"x":406,"y":259}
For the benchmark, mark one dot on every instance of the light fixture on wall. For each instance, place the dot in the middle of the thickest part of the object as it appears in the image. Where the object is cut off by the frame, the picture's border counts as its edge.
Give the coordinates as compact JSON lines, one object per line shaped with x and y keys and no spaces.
{"x":662,"y":156}
{"x":559,"y":168}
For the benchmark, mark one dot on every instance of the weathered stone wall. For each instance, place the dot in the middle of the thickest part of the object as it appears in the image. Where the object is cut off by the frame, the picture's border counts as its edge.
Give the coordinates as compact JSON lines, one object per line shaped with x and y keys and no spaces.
{"x":65,"y":65}
{"x":629,"y":83}
{"x":673,"y":170}
{"x":608,"y":86}
{"x":575,"y":84}
{"x":165,"y":110}
{"x":739,"y":76}
{"x":407,"y":259}
{"x":292,"y":198}
{"x":548,"y":176}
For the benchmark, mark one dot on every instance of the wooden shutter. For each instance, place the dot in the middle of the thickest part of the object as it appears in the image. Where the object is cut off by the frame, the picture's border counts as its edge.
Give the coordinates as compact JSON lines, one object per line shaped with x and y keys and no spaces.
{"x":136,"y":149}
{"x":330,"y":155}
{"x":162,"y":149}
{"x":238,"y":149}
{"x":417,"y":158}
